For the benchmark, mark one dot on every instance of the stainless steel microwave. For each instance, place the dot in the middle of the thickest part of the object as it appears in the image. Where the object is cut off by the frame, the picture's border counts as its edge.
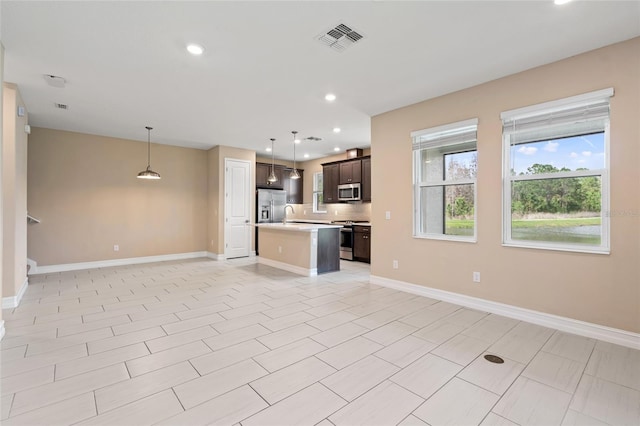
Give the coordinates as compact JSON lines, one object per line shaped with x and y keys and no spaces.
{"x":349,"y":192}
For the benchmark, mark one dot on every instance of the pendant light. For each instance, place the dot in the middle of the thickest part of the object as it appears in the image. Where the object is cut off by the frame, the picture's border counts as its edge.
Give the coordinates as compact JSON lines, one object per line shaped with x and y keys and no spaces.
{"x":148,"y":173}
{"x":272,"y":176}
{"x":294,"y":173}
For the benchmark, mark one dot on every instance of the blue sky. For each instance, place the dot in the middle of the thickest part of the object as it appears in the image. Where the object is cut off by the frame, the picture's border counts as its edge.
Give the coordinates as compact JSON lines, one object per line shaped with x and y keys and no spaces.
{"x":574,"y":152}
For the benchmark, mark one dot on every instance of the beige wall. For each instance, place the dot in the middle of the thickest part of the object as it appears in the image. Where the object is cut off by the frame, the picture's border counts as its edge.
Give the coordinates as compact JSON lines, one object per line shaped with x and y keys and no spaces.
{"x":601,"y":289}
{"x":1,"y":144}
{"x":14,"y":192}
{"x":85,"y":191}
{"x":216,"y":158}
{"x":213,"y":201}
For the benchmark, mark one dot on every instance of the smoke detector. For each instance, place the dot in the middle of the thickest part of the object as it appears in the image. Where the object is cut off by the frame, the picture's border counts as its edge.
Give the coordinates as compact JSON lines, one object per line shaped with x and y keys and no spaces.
{"x":55,"y":81}
{"x":340,"y":37}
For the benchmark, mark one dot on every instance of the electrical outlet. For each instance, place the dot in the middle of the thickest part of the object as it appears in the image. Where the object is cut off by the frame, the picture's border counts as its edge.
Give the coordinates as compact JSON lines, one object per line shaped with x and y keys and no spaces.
{"x":211,"y":243}
{"x":395,"y":264}
{"x":476,"y":277}
{"x":387,"y":215}
{"x":279,"y":249}
{"x":116,"y":247}
{"x":304,"y":212}
{"x":335,"y":212}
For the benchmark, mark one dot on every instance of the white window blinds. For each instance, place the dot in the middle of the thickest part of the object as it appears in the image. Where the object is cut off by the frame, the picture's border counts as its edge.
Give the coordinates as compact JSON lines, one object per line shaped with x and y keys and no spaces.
{"x":578,"y":115}
{"x":460,"y":133}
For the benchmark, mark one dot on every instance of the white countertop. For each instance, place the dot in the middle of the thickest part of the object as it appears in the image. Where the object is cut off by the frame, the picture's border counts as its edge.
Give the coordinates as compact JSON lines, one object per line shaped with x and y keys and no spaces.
{"x":329,"y":222}
{"x":300,"y":227}
{"x":324,"y":222}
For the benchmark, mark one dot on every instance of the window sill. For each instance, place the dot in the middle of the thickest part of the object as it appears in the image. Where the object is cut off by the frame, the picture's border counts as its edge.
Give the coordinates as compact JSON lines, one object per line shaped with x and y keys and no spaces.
{"x":567,"y":248}
{"x":446,"y":238}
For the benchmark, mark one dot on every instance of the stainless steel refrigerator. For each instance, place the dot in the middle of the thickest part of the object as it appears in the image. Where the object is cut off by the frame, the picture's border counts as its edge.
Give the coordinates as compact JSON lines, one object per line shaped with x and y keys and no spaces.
{"x":270,"y":205}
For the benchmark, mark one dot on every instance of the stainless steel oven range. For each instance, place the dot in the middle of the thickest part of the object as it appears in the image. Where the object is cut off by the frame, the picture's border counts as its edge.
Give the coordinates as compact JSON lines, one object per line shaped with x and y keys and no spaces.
{"x":346,"y":238}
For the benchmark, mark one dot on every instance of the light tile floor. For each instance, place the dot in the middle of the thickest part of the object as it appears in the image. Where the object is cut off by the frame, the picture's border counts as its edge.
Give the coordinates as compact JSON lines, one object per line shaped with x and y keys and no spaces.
{"x":235,"y":342}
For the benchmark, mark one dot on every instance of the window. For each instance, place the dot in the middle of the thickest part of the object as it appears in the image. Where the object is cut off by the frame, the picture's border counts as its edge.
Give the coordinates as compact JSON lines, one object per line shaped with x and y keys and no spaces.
{"x":445,"y":162}
{"x":556,"y":174}
{"x":318,"y":205}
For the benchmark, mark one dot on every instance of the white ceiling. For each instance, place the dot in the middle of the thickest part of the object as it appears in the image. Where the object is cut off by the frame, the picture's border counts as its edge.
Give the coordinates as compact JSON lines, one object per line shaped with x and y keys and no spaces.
{"x":263,"y":73}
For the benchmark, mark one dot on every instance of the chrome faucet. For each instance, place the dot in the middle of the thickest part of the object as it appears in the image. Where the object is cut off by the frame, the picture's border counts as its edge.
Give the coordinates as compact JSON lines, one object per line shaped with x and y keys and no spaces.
{"x":284,"y":219}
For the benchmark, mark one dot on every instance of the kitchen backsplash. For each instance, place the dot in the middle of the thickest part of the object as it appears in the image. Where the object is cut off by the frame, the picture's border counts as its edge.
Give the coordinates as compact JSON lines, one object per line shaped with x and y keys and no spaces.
{"x":341,"y":211}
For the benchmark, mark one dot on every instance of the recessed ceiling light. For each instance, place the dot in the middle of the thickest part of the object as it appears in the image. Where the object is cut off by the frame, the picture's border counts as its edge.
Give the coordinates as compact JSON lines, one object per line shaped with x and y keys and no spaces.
{"x":336,"y":130}
{"x":268,"y":149}
{"x":330,"y":97}
{"x":336,"y":149}
{"x":296,"y":140}
{"x":306,"y":156}
{"x":559,"y":2}
{"x":195,"y":49}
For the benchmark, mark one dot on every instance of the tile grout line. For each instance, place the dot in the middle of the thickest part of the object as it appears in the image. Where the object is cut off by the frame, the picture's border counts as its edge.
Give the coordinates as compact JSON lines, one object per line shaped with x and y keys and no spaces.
{"x":523,"y":370}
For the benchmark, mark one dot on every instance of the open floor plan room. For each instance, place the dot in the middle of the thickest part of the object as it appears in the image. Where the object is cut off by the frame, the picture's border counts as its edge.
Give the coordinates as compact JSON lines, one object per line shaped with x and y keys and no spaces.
{"x":236,"y":342}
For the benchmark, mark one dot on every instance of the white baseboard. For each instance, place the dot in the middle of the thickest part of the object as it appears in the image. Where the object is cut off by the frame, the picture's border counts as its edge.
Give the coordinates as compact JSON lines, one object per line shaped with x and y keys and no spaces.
{"x":291,"y":268}
{"x":47,"y":269}
{"x":215,"y":256}
{"x":581,"y":328}
{"x":14,"y":301}
{"x":33,"y":266}
{"x":1,"y":329}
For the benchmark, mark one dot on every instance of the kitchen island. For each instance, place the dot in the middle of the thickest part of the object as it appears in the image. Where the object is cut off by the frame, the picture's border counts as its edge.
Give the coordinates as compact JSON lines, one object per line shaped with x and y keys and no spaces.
{"x":303,"y":248}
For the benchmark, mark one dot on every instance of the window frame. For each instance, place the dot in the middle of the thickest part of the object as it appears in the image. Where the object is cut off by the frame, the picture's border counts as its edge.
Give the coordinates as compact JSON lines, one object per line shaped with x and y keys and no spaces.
{"x":508,"y":179}
{"x":317,"y":192}
{"x":439,"y":135}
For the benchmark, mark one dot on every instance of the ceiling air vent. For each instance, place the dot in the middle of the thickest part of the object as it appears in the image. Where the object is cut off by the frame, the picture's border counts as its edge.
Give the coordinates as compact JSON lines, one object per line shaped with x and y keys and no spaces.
{"x":54,"y":81}
{"x":61,"y":106}
{"x":340,"y":37}
{"x":313,"y":138}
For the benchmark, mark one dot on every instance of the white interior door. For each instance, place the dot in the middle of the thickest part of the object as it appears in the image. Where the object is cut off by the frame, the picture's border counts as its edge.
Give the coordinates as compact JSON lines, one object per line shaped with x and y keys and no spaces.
{"x":237,"y":210}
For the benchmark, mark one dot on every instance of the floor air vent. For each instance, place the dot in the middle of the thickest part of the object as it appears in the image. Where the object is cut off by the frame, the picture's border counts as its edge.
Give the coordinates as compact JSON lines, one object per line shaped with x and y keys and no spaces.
{"x":340,"y":37}
{"x":494,"y":358}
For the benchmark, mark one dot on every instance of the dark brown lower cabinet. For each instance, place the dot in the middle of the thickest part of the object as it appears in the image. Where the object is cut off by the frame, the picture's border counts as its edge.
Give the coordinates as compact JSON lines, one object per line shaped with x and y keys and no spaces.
{"x":362,"y":243}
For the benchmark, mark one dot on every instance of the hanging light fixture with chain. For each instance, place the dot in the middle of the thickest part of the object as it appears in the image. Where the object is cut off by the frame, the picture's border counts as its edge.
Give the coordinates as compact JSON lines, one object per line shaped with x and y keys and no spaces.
{"x":272,"y":176}
{"x":294,"y":173}
{"x":148,"y":173}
